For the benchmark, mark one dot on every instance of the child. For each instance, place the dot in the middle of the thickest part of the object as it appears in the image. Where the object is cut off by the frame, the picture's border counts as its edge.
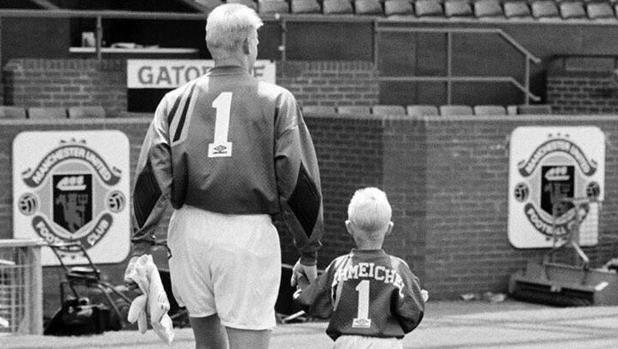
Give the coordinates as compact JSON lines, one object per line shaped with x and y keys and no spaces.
{"x":372,"y":298}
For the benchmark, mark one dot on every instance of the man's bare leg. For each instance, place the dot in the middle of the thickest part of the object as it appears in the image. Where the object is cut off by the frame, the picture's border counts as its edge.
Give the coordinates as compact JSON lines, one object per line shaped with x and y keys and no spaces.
{"x":248,"y":339}
{"x":208,"y":332}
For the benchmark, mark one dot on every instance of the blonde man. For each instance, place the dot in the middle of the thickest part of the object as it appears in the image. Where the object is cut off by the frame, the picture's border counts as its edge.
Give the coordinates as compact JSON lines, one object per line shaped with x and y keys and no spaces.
{"x":372,"y":298}
{"x":229,"y":152}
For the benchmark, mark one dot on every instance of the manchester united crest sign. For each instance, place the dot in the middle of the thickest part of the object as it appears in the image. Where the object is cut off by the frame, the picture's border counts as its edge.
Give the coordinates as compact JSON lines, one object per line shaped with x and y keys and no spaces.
{"x":555,"y":174}
{"x":73,"y":187}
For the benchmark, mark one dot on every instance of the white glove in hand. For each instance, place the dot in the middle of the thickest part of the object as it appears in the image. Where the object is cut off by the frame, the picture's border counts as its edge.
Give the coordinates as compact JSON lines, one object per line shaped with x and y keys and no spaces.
{"x":153,"y":300}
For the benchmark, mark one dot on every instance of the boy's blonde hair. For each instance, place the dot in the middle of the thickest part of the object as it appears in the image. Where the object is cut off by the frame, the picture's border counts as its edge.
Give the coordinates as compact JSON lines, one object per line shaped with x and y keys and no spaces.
{"x":228,"y":25}
{"x":370,"y":212}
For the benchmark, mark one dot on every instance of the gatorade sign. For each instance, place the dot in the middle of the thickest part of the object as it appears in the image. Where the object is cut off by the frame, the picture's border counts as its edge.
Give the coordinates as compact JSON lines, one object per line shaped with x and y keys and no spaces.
{"x":554,"y":174}
{"x":169,"y":74}
{"x":73,"y":186}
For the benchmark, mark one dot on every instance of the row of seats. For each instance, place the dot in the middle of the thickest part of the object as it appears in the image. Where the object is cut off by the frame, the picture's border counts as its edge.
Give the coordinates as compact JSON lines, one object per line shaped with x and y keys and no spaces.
{"x":474,"y":9}
{"x":429,"y":110}
{"x":37,"y":113}
{"x":41,"y":113}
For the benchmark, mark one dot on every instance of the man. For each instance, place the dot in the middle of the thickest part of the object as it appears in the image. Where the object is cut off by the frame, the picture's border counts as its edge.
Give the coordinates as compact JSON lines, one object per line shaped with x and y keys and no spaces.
{"x":229,"y":152}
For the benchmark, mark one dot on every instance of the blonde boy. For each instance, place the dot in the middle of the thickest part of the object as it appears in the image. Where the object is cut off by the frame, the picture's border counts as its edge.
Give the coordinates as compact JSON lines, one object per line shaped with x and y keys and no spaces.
{"x":373,"y":299}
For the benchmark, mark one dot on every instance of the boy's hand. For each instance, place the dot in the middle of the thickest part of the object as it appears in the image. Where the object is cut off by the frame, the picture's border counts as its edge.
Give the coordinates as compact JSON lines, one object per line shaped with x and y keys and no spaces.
{"x":301,"y":284}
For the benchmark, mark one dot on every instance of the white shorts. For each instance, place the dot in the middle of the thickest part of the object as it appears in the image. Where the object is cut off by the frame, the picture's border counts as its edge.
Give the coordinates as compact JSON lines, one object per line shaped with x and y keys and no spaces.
{"x":362,"y":342}
{"x":229,"y":265}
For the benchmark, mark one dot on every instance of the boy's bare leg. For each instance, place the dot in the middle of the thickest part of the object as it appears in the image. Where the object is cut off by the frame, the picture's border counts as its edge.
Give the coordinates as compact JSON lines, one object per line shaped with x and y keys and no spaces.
{"x":248,"y":339}
{"x":208,"y":332}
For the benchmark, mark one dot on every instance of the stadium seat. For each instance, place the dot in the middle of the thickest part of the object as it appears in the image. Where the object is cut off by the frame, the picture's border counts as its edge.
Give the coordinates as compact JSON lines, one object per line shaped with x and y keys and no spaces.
{"x":332,"y":7}
{"x":273,"y":6}
{"x":422,"y":110}
{"x":368,"y":7}
{"x":12,"y":112}
{"x":599,"y":10}
{"x":249,"y":3}
{"x":455,"y":109}
{"x":388,"y":109}
{"x":544,"y":9}
{"x":86,"y":112}
{"x":457,"y":8}
{"x":398,"y":8}
{"x":304,"y":6}
{"x":353,"y":109}
{"x":534,"y":109}
{"x":428,"y":8}
{"x":572,"y":10}
{"x":38,"y":113}
{"x":517,"y":9}
{"x":489,"y":110}
{"x":488,"y":9}
{"x":318,"y":109}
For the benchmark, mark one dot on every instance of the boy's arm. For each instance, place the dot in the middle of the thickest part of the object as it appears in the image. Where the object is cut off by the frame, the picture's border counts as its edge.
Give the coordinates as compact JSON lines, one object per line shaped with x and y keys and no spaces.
{"x":316,"y":296}
{"x":409,"y":304}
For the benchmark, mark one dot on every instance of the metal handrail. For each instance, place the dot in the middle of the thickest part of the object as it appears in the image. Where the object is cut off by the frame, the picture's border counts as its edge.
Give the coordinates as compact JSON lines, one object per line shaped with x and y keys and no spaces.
{"x":529,"y":57}
{"x":498,"y":31}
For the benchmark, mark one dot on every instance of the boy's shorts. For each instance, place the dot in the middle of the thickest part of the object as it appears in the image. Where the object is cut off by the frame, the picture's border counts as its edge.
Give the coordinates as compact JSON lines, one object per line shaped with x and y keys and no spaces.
{"x":229,"y":265}
{"x":362,"y":342}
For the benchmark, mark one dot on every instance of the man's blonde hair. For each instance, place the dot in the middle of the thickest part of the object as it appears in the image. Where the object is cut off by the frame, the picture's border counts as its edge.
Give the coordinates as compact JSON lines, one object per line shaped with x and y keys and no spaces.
{"x":370,"y":211}
{"x":228,"y":25}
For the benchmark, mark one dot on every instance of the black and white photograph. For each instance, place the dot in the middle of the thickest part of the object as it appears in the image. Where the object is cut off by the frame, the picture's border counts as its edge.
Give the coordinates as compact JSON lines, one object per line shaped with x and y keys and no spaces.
{"x":309,"y":174}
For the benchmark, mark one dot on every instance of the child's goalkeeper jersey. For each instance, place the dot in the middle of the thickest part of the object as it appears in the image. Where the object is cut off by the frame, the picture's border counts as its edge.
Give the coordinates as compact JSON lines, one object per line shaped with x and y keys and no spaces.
{"x":229,"y":143}
{"x":366,"y":293}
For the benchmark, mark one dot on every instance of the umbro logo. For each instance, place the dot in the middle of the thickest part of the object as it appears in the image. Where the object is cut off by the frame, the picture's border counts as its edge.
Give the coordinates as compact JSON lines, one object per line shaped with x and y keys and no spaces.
{"x":220,"y":149}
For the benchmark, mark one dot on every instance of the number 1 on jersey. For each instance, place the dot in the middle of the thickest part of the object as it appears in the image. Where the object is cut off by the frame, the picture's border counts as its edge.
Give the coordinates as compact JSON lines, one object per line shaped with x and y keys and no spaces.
{"x":362,"y":319}
{"x":220,"y":147}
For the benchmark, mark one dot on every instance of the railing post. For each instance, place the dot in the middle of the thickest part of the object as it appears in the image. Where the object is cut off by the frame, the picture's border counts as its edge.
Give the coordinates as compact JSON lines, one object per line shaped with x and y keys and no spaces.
{"x":375,"y":46}
{"x":527,"y":81}
{"x":282,"y":46}
{"x":449,"y":67}
{"x":99,"y":37}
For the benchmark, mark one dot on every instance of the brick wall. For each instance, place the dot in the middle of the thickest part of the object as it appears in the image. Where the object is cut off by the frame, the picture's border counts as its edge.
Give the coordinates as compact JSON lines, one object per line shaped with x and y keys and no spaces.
{"x":79,"y":82}
{"x":583,"y":85}
{"x":446,"y":179}
{"x":330,"y":83}
{"x":66,"y":83}
{"x":467,"y":248}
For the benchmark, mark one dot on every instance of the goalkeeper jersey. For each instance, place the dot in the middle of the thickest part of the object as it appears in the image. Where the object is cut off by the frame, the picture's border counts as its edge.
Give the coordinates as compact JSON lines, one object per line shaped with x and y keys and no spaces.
{"x":366,"y":293}
{"x":229,"y":143}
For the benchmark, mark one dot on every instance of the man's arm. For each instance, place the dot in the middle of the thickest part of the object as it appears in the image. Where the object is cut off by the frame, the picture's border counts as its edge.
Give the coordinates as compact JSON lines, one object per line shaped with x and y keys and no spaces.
{"x":153,"y":179}
{"x":298,"y":180}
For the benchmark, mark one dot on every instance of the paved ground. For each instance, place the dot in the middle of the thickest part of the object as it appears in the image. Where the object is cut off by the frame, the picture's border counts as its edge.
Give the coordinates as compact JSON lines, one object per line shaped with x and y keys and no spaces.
{"x":448,"y":325}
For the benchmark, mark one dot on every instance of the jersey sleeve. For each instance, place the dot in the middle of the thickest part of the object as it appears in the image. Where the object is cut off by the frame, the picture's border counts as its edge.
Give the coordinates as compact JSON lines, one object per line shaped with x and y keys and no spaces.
{"x":409,"y":306}
{"x":298,"y":179}
{"x":153,"y":180}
